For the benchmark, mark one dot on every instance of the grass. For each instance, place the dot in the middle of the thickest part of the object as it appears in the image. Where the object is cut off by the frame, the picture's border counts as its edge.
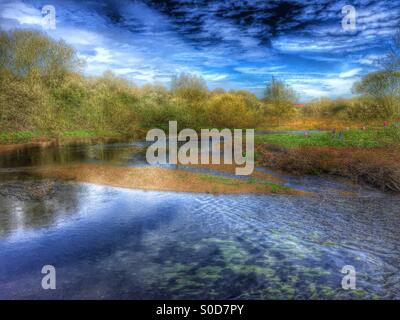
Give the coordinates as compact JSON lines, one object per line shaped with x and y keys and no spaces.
{"x":370,"y":138}
{"x":17,"y":137}
{"x":218,"y":179}
{"x":259,"y":183}
{"x":370,"y":156}
{"x":316,"y":123}
{"x":82,"y":133}
{"x":379,"y":167}
{"x":275,"y":188}
{"x":28,"y":136}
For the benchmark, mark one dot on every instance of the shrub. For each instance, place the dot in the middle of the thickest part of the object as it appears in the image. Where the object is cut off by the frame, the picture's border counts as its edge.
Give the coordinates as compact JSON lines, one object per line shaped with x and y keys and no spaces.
{"x":233,"y":110}
{"x":27,"y":53}
{"x":382,"y":88}
{"x":189,"y":87}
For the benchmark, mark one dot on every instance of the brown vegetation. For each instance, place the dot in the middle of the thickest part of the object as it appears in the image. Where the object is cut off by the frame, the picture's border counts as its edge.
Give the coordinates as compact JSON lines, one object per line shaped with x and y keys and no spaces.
{"x":377,"y":167}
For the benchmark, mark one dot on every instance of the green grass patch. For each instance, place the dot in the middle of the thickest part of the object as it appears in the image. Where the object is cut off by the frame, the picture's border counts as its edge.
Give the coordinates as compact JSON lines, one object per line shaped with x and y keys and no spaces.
{"x":261,"y":184}
{"x":82,"y":133}
{"x":218,"y":179}
{"x":17,"y":137}
{"x":27,"y":136}
{"x":275,"y":188}
{"x":371,"y":138}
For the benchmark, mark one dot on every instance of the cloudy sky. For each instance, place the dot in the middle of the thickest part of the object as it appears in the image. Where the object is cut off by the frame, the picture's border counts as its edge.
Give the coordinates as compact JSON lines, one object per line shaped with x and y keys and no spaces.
{"x":232,"y":44}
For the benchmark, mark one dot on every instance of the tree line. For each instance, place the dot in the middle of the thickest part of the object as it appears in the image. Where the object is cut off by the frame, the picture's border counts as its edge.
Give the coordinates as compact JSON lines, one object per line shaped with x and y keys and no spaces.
{"x":43,"y":88}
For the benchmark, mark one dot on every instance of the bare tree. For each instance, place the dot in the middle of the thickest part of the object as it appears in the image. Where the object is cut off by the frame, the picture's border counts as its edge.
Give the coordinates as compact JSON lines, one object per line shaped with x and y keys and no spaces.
{"x":392,"y":60}
{"x":279,"y":99}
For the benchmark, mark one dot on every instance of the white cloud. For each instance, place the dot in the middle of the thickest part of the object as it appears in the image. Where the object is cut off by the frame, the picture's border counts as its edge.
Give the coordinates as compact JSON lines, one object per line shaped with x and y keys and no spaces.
{"x":18,"y":10}
{"x":261,"y":70}
{"x":214,"y":77}
{"x":370,"y":59}
{"x":102,"y":55}
{"x":350,"y":73}
{"x":13,"y":13}
{"x":331,"y":86}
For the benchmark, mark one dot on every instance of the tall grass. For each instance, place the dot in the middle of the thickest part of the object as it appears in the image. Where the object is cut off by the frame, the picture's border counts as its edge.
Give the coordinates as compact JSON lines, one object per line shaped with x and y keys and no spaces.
{"x":370,"y":138}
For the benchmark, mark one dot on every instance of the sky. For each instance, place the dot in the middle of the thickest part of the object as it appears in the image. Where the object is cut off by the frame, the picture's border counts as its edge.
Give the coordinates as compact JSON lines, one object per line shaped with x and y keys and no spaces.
{"x":231,"y":44}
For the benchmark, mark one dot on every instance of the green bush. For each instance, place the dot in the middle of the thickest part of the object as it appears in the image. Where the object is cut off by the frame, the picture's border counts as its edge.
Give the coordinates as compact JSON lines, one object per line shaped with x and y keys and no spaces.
{"x":233,"y":110}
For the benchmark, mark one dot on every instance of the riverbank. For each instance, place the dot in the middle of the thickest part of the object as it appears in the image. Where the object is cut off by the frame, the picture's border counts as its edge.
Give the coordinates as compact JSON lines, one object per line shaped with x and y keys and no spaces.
{"x":162,"y":179}
{"x":369,"y":156}
{"x":364,"y":156}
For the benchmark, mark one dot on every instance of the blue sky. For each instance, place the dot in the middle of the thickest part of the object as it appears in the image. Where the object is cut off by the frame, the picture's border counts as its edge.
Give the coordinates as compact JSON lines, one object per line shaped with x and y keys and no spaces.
{"x":232,"y":44}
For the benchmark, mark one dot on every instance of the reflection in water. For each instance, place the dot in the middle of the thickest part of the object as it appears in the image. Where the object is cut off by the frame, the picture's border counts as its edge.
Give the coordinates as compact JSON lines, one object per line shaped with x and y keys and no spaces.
{"x":29,"y":203}
{"x":116,"y":243}
{"x":68,"y":153}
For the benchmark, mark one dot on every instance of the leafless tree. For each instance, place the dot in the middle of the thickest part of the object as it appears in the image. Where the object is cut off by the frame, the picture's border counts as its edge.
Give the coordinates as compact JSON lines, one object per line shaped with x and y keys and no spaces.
{"x":391,"y":62}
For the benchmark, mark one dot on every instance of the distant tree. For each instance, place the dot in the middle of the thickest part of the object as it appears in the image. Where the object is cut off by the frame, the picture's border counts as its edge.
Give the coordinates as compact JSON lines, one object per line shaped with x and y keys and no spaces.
{"x":189,"y":87}
{"x":31,"y":53}
{"x":279,"y":99}
{"x":382,"y":88}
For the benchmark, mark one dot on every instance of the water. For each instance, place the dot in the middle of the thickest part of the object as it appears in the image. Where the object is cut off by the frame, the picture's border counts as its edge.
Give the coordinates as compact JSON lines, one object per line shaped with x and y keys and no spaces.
{"x":114,"y":243}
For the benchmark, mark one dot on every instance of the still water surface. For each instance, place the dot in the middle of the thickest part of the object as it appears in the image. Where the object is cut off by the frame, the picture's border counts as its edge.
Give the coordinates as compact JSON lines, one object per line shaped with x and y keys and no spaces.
{"x":108,"y":242}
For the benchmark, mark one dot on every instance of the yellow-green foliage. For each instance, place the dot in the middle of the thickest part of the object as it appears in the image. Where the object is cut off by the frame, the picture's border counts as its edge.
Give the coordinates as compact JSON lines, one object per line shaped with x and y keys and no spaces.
{"x":111,"y":104}
{"x":382,"y":89}
{"x":379,"y":98}
{"x":42,"y":90}
{"x":279,"y":99}
{"x":34,"y":55}
{"x":188,"y":87}
{"x":233,"y":110}
{"x":361,"y":108}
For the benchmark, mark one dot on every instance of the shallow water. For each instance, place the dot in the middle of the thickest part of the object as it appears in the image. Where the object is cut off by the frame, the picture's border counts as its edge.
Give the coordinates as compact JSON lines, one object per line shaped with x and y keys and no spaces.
{"x":110,"y":242}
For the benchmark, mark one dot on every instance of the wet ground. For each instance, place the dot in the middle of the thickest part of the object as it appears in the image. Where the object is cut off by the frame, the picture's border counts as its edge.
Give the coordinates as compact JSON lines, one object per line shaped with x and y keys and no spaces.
{"x":110,"y":242}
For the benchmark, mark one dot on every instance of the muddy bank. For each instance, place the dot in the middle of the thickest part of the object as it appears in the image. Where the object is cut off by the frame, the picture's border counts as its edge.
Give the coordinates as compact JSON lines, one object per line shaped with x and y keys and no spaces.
{"x":161,"y":179}
{"x":377,"y":167}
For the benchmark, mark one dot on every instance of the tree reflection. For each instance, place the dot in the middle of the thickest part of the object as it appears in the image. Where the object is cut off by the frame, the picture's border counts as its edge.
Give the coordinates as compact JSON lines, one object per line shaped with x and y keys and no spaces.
{"x":57,"y":153}
{"x":34,"y":203}
{"x":28,"y":202}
